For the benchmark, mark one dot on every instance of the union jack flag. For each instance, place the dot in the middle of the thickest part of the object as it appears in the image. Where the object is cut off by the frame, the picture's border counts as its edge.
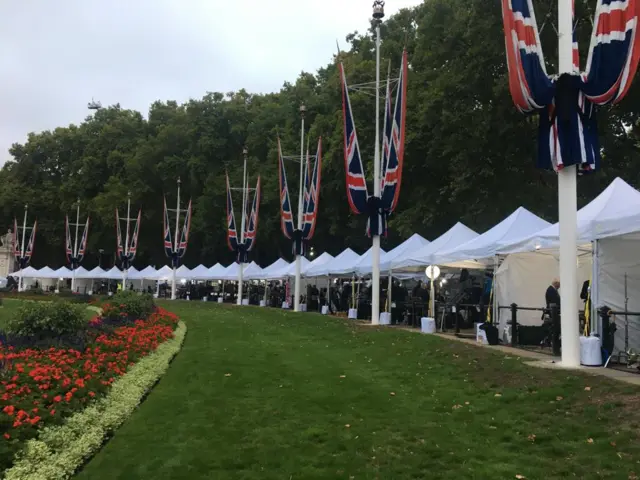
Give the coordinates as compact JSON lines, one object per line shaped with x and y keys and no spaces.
{"x":16,"y":245}
{"x":392,"y":171}
{"x":568,"y":132}
{"x":132,"y":247}
{"x":68,"y":247}
{"x":286,"y":215}
{"x":168,"y":241}
{"x":82,"y":248}
{"x":28,"y":251}
{"x":232,"y":235}
{"x":119,"y":244}
{"x":357,"y":194}
{"x":312,"y":194}
{"x":392,"y":156}
{"x":184,"y":234}
{"x":251,"y":231}
{"x":23,"y":260}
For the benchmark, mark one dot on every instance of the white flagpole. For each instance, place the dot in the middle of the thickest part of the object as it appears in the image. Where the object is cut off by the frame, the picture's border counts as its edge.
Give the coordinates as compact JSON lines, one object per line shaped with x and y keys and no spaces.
{"x":22,"y":248}
{"x":378,"y":14}
{"x":75,"y":249}
{"x":175,"y":247}
{"x":567,"y":212}
{"x":125,"y":269}
{"x":297,"y":287}
{"x":245,"y":152}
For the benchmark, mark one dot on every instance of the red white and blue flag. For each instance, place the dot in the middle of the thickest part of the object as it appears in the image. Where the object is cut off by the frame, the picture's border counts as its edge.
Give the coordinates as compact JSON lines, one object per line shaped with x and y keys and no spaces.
{"x":357,"y":194}
{"x":28,"y":251}
{"x":82,"y":248}
{"x":232,"y":234}
{"x":286,"y":214}
{"x":184,"y":233}
{"x":132,"y":247}
{"x":68,"y":246}
{"x":75,"y":257}
{"x":392,"y":157}
{"x":168,"y":241}
{"x":312,"y":193}
{"x":568,"y":132}
{"x":251,"y":230}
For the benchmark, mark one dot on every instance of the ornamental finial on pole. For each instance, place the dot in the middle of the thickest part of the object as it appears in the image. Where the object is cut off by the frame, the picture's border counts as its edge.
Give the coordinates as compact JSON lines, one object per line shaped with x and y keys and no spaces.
{"x":378,"y":10}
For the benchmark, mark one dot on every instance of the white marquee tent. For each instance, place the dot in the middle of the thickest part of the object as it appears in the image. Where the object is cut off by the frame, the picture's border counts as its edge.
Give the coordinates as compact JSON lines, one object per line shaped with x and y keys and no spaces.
{"x":519,"y":223}
{"x":427,"y":255}
{"x":321,"y":260}
{"x":362,"y":266}
{"x":394,"y":257}
{"x":330,"y":268}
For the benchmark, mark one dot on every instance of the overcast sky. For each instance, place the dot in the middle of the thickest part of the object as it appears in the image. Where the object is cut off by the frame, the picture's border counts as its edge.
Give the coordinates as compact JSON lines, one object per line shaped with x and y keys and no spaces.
{"x":56,"y":55}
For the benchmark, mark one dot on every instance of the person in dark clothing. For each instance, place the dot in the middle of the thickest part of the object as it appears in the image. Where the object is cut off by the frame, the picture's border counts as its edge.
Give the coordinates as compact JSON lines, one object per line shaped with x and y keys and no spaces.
{"x":552,"y":296}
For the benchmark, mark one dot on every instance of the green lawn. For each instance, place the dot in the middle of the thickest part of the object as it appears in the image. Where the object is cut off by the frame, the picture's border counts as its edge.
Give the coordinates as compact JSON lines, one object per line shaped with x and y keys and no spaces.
{"x":262,"y":394}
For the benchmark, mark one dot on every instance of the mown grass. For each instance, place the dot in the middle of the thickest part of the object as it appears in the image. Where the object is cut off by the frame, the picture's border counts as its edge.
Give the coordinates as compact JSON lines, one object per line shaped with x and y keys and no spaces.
{"x":262,"y":394}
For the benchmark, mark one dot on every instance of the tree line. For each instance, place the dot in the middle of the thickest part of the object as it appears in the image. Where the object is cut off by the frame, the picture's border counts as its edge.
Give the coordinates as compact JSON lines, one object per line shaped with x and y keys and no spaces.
{"x":470,"y":156}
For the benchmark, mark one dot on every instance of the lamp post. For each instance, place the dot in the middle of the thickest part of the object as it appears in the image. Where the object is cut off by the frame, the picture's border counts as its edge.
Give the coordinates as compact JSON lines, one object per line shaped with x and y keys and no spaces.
{"x":432,"y":272}
{"x":378,"y":15}
{"x":297,"y":288}
{"x":245,"y":154}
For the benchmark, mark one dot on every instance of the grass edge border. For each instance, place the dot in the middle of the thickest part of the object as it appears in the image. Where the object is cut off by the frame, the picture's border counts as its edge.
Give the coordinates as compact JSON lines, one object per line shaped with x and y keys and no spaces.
{"x":58,"y":452}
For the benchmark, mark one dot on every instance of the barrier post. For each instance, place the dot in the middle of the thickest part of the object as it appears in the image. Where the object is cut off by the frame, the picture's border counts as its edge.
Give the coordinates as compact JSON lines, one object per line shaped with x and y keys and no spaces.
{"x":514,"y":324}
{"x":555,"y":329}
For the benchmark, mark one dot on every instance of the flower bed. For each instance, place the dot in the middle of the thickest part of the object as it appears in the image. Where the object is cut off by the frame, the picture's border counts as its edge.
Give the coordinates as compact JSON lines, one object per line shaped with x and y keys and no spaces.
{"x":44,"y":387}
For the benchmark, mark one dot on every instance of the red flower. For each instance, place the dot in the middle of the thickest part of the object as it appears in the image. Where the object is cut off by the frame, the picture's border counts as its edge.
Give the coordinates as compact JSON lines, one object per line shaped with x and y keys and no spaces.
{"x":9,"y":409}
{"x":57,"y":398}
{"x":7,"y":436}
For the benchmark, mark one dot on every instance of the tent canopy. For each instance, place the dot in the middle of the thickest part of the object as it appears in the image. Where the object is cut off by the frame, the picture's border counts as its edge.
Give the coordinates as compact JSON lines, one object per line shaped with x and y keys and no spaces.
{"x":251,"y":271}
{"x":347,"y":257}
{"x":363,"y":265}
{"x":427,"y":255}
{"x":199,"y":273}
{"x":216,"y":272}
{"x":519,"y":223}
{"x":321,"y":260}
{"x":614,"y":212}
{"x":397,"y":255}
{"x":270,"y":272}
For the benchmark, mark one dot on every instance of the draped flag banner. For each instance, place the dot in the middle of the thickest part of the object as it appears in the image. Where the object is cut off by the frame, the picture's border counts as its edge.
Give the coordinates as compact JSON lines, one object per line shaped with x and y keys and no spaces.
{"x":312,"y":194}
{"x":232,"y":235}
{"x":286,"y":214}
{"x":126,"y":255}
{"x":378,"y":209}
{"x":566,"y":104}
{"x":175,"y":252}
{"x":23,"y":259}
{"x":240,"y":246}
{"x":310,"y":200}
{"x":74,"y":258}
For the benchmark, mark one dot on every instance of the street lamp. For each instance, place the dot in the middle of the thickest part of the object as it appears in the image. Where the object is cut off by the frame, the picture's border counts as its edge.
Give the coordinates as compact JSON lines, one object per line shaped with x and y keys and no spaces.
{"x":432,"y":272}
{"x":101,"y":251}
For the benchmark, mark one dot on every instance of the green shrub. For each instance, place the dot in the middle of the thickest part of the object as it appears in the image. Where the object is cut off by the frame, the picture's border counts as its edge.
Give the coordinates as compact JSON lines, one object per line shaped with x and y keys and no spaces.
{"x":132,"y":304}
{"x":47,"y":319}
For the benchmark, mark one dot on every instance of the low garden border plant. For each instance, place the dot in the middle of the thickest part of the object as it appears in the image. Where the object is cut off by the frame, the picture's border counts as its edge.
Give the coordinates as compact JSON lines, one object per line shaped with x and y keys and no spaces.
{"x":46,"y":380}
